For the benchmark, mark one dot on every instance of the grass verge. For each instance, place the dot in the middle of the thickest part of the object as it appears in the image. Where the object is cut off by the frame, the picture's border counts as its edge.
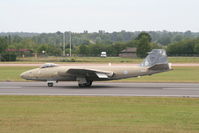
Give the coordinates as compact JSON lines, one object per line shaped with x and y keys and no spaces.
{"x":76,"y":114}
{"x":98,"y":60}
{"x":80,"y":59}
{"x":179,"y":74}
{"x":12,"y":73}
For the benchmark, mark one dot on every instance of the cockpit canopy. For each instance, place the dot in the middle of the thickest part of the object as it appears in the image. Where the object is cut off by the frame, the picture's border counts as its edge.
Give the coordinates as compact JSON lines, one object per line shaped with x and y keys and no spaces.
{"x":46,"y":65}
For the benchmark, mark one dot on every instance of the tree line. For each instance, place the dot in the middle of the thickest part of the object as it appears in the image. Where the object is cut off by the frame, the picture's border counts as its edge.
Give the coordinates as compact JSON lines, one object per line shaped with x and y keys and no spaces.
{"x":187,"y":47}
{"x":102,"y":37}
{"x":144,"y":42}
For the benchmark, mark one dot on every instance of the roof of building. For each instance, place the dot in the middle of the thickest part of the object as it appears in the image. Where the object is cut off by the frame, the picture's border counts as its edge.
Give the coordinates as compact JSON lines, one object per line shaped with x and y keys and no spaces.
{"x":18,"y":50}
{"x":129,"y":50}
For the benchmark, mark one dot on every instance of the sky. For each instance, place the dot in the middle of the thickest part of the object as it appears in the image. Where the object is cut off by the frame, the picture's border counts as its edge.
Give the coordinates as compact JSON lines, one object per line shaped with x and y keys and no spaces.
{"x":93,"y":15}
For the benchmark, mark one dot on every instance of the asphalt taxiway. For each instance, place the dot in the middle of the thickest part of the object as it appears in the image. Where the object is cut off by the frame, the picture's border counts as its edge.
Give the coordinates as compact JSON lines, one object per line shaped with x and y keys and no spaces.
{"x":101,"y":89}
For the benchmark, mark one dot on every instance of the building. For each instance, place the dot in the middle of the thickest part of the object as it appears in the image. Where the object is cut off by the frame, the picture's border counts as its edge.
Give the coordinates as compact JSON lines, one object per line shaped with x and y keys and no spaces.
{"x":20,"y":52}
{"x":129,"y":52}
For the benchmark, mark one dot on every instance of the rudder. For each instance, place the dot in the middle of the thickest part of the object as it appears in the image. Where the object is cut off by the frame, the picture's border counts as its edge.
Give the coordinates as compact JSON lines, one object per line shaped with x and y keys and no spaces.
{"x":155,"y":57}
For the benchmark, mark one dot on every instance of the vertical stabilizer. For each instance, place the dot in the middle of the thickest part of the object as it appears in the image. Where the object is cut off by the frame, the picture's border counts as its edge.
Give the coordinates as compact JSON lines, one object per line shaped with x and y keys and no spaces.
{"x":156,"y":59}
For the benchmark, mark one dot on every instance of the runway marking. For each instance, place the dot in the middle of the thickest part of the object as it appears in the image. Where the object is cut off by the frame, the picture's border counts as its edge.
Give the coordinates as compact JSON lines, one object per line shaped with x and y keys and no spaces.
{"x":10,"y":87}
{"x":102,"y":89}
{"x":188,"y":89}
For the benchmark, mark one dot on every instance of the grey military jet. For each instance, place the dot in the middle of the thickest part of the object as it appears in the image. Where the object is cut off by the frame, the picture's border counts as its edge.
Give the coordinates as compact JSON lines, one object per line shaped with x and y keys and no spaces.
{"x":155,"y":62}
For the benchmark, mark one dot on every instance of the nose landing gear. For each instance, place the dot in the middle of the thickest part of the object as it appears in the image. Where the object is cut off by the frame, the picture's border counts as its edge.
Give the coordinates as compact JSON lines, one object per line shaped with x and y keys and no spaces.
{"x":50,"y":83}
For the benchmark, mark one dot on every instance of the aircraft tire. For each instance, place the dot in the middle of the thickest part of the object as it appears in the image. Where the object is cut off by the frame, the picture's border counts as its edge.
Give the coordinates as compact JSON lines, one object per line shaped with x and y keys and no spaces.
{"x":88,"y":84}
{"x":50,"y":84}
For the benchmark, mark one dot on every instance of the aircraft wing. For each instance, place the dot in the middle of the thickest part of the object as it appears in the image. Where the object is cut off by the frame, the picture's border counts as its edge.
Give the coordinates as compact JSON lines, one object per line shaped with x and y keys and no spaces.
{"x":81,"y":72}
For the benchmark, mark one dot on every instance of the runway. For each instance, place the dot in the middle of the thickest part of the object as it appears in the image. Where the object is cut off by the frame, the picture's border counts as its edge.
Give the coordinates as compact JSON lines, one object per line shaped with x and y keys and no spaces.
{"x":101,"y":89}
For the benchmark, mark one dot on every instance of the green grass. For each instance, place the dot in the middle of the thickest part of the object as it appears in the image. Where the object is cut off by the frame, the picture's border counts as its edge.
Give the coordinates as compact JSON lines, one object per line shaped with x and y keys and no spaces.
{"x":179,"y":74}
{"x":11,"y":73}
{"x":184,"y":59}
{"x":58,"y":114}
{"x":79,"y":59}
{"x":98,"y":60}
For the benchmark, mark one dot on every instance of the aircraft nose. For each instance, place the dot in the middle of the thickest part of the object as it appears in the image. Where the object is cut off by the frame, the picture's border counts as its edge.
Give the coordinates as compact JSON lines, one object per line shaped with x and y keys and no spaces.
{"x":24,"y":75}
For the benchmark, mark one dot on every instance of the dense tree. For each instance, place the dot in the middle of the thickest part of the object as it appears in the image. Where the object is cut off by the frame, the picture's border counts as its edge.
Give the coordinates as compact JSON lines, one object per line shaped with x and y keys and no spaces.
{"x":92,"y":44}
{"x":143,"y":44}
{"x":118,"y":47}
{"x":3,"y":44}
{"x":102,"y":37}
{"x":83,"y":50}
{"x":49,"y":50}
{"x":185,"y":47}
{"x":144,"y":34}
{"x":96,"y":49}
{"x":196,"y":48}
{"x":155,"y":46}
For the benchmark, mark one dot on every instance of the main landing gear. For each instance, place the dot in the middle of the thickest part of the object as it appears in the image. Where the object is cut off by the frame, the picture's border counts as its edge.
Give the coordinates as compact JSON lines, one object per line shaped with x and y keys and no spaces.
{"x":83,"y":82}
{"x":87,"y":84}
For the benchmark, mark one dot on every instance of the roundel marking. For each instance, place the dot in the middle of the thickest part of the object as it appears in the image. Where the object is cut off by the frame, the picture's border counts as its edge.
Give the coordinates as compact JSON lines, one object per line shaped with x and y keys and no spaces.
{"x":125,"y":72}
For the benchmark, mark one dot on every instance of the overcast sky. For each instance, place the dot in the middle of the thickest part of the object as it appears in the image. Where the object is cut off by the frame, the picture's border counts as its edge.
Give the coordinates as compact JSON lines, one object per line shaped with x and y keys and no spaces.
{"x":94,"y":15}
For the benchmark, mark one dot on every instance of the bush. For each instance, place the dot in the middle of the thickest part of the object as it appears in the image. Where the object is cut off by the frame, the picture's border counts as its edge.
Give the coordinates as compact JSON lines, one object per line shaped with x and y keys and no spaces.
{"x":8,"y":57}
{"x":68,"y":60}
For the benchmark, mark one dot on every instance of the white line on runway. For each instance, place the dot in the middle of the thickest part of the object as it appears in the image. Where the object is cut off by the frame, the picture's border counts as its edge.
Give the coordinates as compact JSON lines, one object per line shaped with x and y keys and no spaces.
{"x":10,"y":87}
{"x":188,"y":89}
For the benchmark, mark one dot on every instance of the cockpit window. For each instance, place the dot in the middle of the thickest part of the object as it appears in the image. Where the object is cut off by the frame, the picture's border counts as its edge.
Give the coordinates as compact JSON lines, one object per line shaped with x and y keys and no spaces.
{"x":48,"y":65}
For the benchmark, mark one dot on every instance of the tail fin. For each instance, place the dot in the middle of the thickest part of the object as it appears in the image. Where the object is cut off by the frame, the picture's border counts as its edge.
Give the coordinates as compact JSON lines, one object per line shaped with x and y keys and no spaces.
{"x":156,"y":60}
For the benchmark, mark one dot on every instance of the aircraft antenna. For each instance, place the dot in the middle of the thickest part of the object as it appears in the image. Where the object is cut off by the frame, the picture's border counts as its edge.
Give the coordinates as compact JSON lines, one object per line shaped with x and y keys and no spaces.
{"x":64,"y":44}
{"x":70,"y":40}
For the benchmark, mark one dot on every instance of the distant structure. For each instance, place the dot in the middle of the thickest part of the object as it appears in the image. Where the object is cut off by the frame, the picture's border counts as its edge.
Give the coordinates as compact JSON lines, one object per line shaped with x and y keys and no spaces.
{"x":129,"y":52}
{"x":103,"y":54}
{"x":20,"y":52}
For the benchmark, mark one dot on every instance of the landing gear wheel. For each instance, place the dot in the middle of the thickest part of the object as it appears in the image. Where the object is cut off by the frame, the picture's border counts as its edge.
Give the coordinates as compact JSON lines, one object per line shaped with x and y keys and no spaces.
{"x":50,"y":84}
{"x":81,"y":85}
{"x":88,"y":84}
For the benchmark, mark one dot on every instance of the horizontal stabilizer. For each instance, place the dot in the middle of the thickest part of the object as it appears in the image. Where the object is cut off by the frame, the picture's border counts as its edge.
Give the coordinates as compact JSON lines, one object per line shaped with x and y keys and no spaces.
{"x":161,"y":67}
